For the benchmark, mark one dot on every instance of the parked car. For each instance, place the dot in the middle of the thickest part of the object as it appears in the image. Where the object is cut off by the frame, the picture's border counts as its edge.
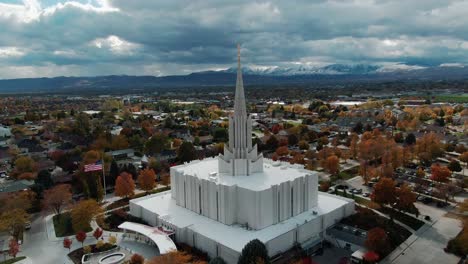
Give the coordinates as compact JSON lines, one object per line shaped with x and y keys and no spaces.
{"x":342,"y":187}
{"x":358,"y":191}
{"x":366,"y":194}
{"x":427,"y":200}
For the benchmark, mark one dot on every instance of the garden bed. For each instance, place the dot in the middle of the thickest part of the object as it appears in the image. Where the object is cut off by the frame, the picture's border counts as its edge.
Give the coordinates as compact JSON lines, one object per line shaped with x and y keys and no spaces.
{"x":77,"y":254}
{"x":366,"y":219}
{"x":408,"y":220}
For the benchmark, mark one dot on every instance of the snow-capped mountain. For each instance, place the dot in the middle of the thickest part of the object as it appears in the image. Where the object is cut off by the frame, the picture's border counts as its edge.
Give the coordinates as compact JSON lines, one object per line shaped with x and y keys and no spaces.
{"x":331,"y":69}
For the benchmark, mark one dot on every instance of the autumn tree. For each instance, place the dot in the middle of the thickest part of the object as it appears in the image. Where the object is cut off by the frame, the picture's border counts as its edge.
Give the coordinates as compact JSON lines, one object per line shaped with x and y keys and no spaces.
{"x":137,"y":259}
{"x":124,"y":185}
{"x":303,"y":145}
{"x":67,"y":243}
{"x":156,"y":144}
{"x":25,"y":168}
{"x":83,"y":212}
{"x":377,"y":241}
{"x":173,"y":257}
{"x":420,"y":173}
{"x":97,"y":233}
{"x":405,"y":198}
{"x":80,"y":237}
{"x":57,"y":198}
{"x":13,"y":247}
{"x":13,"y":211}
{"x":119,"y":142}
{"x":282,"y":151}
{"x":440,"y":173}
{"x":332,"y":164}
{"x":384,"y":191}
{"x":147,"y":179}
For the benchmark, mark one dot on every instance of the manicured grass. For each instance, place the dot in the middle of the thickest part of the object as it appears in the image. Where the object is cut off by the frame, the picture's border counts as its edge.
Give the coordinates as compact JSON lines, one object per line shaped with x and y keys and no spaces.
{"x":451,"y":98}
{"x":63,"y":225}
{"x":13,"y":260}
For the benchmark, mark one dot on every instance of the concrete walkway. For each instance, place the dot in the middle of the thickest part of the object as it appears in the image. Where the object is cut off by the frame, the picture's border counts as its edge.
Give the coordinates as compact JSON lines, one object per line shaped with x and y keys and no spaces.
{"x":427,"y":244}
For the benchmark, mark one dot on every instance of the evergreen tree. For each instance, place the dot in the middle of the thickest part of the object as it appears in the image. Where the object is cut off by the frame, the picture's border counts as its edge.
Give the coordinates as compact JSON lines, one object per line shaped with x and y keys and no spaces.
{"x":132,"y":170}
{"x":253,"y":252}
{"x":186,"y":152}
{"x":44,"y":179}
{"x":113,"y":173}
{"x":410,"y":139}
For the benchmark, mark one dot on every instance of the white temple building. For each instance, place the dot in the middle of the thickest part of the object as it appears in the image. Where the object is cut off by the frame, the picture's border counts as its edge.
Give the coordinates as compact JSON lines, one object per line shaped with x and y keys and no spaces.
{"x":220,"y":204}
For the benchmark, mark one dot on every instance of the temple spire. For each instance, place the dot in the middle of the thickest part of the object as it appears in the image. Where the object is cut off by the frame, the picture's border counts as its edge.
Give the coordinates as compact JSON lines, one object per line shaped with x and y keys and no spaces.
{"x":240,"y":157}
{"x":239,"y":100}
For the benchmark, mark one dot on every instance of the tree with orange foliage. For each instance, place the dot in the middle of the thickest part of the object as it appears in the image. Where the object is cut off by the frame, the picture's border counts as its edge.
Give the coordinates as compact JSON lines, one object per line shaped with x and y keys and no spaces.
{"x":173,"y":257}
{"x":147,"y":179}
{"x":57,"y":198}
{"x":440,"y":173}
{"x":282,"y":151}
{"x":384,"y":191}
{"x":124,"y":185}
{"x":405,"y":198}
{"x":137,"y":259}
{"x":25,"y":168}
{"x":13,"y":248}
{"x":119,"y":142}
{"x":377,"y":241}
{"x":332,"y":164}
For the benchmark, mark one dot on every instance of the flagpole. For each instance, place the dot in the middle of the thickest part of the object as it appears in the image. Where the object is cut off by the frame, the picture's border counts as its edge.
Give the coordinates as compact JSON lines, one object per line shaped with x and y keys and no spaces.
{"x":104,"y":179}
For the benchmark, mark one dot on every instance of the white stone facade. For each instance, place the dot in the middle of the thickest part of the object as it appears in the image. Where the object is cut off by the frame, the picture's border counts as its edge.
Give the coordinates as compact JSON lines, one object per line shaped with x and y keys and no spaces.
{"x":236,"y":202}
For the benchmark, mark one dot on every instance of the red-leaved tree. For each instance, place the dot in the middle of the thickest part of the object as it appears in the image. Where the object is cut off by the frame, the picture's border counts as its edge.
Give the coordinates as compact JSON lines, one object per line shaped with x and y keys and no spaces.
{"x":13,"y":248}
{"x":97,"y":233}
{"x":81,"y":236}
{"x":440,"y":173}
{"x":67,"y":243}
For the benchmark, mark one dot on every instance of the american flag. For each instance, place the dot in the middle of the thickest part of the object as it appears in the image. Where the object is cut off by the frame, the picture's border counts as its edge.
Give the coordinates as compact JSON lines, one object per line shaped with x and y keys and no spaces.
{"x":93,"y":166}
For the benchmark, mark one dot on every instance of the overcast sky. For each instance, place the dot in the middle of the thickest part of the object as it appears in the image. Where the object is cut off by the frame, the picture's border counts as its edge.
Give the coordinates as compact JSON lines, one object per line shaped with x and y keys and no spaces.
{"x":161,"y":37}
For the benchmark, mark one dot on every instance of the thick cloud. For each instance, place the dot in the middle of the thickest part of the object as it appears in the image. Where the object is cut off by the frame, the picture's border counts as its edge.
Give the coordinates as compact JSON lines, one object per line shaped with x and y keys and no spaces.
{"x":94,"y":37}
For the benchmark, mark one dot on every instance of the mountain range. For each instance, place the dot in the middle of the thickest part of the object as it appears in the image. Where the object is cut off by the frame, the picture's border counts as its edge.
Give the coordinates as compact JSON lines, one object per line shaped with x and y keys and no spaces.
{"x":298,"y":74}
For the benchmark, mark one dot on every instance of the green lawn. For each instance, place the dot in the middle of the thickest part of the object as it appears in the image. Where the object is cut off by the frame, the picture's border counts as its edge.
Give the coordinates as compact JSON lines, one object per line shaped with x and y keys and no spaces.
{"x":13,"y":260}
{"x":451,"y":98}
{"x":63,"y":225}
